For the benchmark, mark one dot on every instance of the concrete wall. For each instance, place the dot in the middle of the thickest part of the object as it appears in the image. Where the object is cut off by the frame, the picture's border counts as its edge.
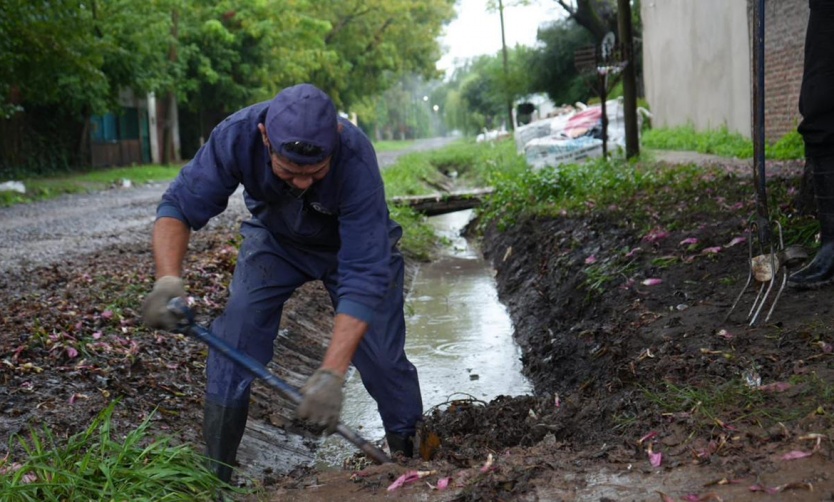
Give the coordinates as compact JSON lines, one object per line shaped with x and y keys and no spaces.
{"x":696,"y":60}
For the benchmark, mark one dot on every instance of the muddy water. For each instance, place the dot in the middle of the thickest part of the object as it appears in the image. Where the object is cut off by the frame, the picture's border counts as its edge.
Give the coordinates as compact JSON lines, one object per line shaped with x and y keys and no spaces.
{"x":459,"y":336}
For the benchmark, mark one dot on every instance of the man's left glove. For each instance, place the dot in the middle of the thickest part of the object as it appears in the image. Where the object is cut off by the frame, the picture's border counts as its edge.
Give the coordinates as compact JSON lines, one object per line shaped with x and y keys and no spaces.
{"x":322,"y":399}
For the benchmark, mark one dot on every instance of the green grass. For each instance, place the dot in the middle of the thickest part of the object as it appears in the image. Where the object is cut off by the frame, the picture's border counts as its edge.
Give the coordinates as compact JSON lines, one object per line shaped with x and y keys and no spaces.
{"x":735,"y":402}
{"x":392,"y":145}
{"x":100,"y":464}
{"x":721,"y":142}
{"x":43,"y":188}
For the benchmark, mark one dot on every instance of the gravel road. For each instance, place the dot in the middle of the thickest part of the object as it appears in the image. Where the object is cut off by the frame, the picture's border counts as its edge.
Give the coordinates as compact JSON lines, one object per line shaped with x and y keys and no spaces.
{"x":44,"y":233}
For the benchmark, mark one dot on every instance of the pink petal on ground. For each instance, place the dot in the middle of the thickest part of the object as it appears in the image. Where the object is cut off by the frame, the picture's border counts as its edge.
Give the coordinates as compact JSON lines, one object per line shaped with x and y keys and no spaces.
{"x":712,"y":250}
{"x":655,"y":458}
{"x":725,"y":334}
{"x":651,"y":282}
{"x":689,"y":241}
{"x":796,"y":454}
{"x":72,"y":353}
{"x":443,"y":483}
{"x":96,"y":335}
{"x":408,"y":477}
{"x":107,"y":314}
{"x":590,"y":260}
{"x":691,"y":498}
{"x":648,"y":436}
{"x":761,"y":488}
{"x":656,"y":235}
{"x":736,"y":240}
{"x":633,"y":252}
{"x":488,"y":464}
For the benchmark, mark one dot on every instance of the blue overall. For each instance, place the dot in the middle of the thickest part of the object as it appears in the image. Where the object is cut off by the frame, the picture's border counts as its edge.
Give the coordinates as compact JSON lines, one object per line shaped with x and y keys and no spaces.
{"x":339,"y":231}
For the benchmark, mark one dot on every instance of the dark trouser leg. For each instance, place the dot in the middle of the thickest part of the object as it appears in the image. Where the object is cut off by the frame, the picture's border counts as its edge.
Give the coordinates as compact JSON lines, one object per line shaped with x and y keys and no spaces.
{"x":820,"y":271}
{"x":262,"y":282}
{"x":387,"y":374}
{"x":222,"y":431}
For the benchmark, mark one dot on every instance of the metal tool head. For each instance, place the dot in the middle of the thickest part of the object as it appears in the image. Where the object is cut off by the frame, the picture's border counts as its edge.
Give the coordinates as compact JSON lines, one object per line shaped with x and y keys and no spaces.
{"x":179,"y":307}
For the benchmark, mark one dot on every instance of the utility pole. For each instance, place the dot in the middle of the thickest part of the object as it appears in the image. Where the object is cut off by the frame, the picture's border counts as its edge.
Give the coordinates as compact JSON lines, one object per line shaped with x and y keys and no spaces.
{"x":629,"y":79}
{"x":510,"y":125}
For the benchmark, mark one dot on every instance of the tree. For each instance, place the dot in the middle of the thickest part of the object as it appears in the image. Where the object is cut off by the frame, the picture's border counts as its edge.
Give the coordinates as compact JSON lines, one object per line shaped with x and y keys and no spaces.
{"x":597,"y":16}
{"x":554,"y":71}
{"x":377,"y":42}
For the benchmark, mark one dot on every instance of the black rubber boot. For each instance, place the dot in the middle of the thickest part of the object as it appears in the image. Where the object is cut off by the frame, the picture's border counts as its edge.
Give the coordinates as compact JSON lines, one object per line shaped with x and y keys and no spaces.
{"x":820,"y":271}
{"x":222,"y":431}
{"x":400,"y":445}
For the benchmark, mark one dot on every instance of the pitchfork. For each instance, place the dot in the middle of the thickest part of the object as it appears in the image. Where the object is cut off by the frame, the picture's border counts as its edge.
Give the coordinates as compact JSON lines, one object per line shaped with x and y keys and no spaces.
{"x":767,"y":265}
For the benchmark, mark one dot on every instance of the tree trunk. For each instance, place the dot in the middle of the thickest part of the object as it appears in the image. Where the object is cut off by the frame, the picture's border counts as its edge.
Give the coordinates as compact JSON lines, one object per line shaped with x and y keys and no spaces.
{"x":632,"y":137}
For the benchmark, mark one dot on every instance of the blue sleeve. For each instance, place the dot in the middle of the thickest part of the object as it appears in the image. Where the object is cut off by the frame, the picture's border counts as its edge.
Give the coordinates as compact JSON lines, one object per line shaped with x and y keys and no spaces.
{"x":365,"y":253}
{"x":203,"y":187}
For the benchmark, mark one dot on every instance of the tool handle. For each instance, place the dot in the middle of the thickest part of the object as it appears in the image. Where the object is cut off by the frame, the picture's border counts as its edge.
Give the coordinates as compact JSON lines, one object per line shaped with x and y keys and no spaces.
{"x":191,"y":328}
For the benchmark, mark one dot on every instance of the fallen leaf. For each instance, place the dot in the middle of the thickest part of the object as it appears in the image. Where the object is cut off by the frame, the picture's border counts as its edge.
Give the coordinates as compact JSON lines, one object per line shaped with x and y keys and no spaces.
{"x":408,"y":477}
{"x":796,"y":454}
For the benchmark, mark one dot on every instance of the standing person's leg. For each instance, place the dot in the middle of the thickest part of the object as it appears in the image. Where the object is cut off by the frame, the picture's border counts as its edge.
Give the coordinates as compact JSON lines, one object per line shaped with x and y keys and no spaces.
{"x":263,"y":280}
{"x":387,"y":374}
{"x":816,"y":104}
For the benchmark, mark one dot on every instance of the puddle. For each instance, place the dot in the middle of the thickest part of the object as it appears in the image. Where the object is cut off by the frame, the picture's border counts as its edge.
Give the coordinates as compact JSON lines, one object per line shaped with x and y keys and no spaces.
{"x":459,"y":336}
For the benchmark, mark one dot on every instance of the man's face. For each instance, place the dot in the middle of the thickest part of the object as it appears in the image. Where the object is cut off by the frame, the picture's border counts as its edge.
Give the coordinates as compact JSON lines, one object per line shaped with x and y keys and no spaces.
{"x":298,"y":176}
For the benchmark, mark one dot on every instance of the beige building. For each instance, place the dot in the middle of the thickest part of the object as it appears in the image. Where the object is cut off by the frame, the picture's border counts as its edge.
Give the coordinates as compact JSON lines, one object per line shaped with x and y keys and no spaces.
{"x":697,"y":63}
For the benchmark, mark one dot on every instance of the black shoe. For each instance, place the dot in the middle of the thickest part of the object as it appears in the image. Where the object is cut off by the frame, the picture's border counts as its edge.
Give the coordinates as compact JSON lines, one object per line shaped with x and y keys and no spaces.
{"x":400,"y":445}
{"x":818,"y":273}
{"x":821,"y":270}
{"x":222,"y":431}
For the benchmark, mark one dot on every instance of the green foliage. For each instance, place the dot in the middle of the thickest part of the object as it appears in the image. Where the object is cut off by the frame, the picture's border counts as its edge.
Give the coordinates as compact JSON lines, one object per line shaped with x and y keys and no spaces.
{"x":42,"y":188}
{"x":790,"y":146}
{"x":718,"y":142}
{"x":556,"y":73}
{"x":392,"y":145}
{"x":99,"y":464}
{"x":377,"y":42}
{"x":419,"y":240}
{"x":520,"y":192}
{"x":735,"y":401}
{"x":721,"y":142}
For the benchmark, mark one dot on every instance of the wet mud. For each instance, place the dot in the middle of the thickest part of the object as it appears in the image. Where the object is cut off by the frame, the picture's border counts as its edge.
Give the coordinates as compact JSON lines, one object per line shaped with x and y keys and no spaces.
{"x":641,"y":389}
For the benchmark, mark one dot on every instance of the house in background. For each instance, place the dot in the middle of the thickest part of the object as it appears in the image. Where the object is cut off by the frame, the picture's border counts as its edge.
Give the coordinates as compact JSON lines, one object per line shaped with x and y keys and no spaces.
{"x":134,"y":135}
{"x":697,"y":61}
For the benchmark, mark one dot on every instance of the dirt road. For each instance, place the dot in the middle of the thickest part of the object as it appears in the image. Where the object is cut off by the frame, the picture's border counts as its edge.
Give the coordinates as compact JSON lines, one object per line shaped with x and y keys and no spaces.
{"x":42,"y":233}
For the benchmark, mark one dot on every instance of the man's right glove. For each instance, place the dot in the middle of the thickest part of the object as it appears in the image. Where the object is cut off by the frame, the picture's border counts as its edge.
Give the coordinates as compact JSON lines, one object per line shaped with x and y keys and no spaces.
{"x":155,"y":313}
{"x":322,"y":401}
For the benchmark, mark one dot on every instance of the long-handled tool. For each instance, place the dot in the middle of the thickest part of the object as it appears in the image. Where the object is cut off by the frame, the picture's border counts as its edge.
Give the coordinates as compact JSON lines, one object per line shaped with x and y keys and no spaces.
{"x":191,"y":328}
{"x":771,"y":260}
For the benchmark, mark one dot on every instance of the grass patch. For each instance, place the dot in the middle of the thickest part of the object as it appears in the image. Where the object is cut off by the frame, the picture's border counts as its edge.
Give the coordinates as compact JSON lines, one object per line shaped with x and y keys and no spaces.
{"x":43,"y":188}
{"x":736,"y":402}
{"x":721,"y":142}
{"x":392,"y":145}
{"x":97,"y":465}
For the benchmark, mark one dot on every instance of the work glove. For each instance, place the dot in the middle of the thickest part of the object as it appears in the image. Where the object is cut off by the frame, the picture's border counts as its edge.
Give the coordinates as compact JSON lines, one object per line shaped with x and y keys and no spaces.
{"x":155,"y":313}
{"x":321,"y":403}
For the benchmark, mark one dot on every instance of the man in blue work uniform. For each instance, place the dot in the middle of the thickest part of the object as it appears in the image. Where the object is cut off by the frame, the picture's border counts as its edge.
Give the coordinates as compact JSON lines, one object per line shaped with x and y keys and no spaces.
{"x":318,"y":207}
{"x":816,"y":104}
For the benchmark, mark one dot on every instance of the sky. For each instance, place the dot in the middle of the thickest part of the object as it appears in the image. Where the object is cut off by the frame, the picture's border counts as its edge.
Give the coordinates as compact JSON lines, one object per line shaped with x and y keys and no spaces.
{"x":475,"y":31}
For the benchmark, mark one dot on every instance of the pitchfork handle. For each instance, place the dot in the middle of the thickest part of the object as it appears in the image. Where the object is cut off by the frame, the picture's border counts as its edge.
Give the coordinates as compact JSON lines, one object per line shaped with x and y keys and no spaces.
{"x":189,"y":327}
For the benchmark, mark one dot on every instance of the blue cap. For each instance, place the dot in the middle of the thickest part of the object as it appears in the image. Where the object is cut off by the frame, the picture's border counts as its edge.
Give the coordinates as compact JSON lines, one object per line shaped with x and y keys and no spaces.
{"x":302,"y":124}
